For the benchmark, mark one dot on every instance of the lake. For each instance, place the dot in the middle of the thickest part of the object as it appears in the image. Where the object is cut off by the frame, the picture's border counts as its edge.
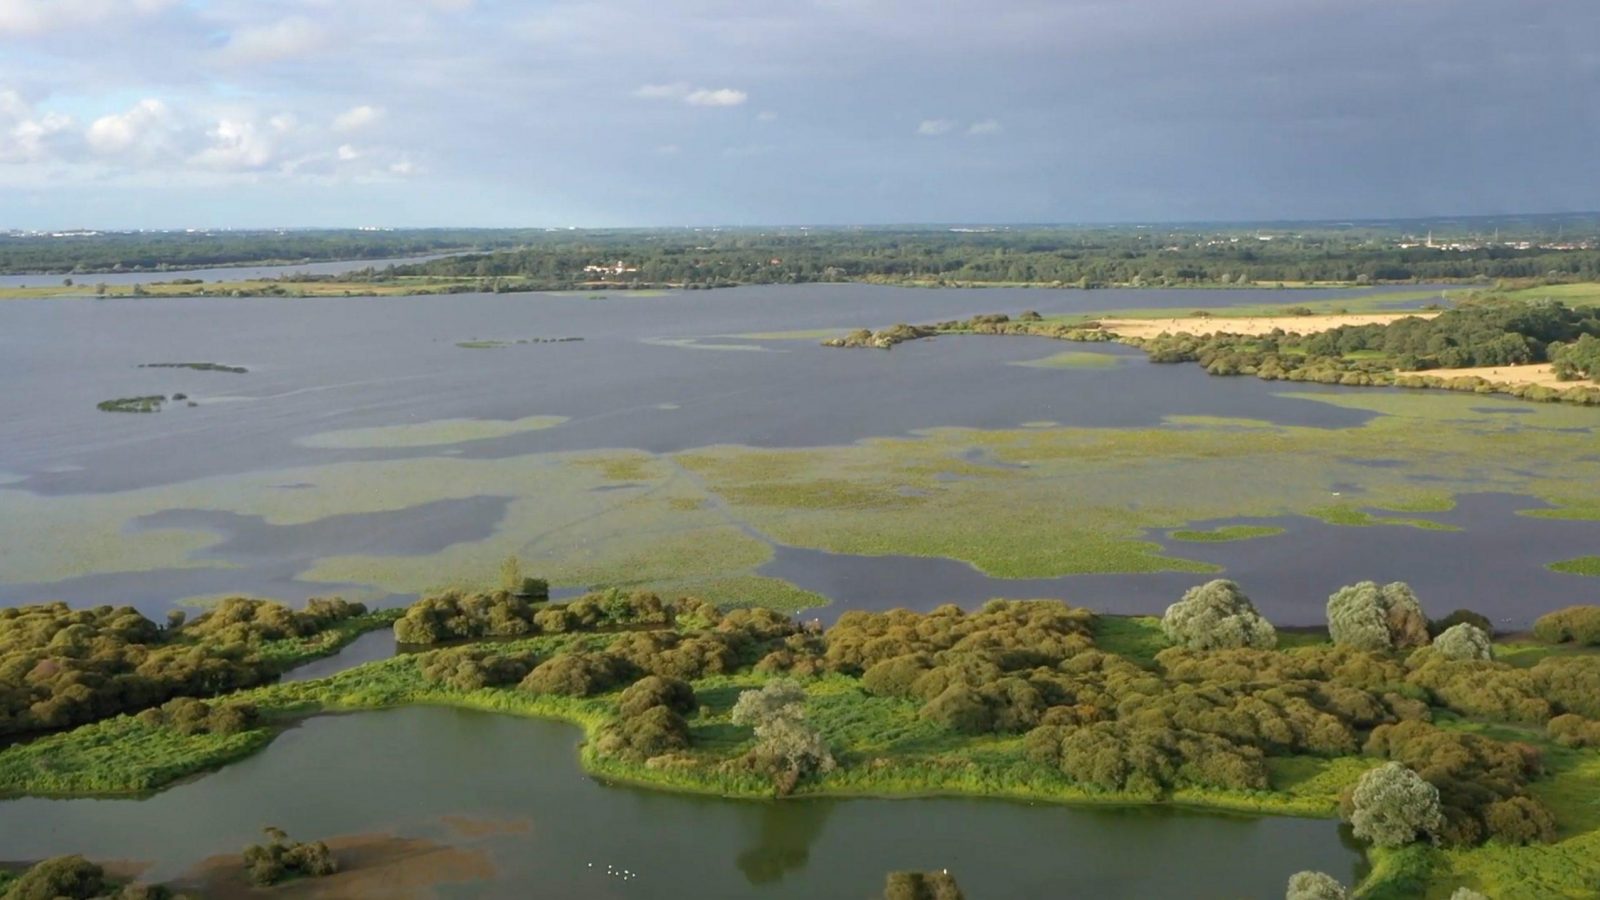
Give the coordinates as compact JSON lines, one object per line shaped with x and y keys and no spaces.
{"x":495,"y":806}
{"x":274,"y":472}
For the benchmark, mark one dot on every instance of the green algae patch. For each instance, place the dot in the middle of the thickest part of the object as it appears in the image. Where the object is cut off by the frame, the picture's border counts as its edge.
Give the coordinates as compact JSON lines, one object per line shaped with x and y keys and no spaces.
{"x":437,"y":433}
{"x":1354,"y":516}
{"x":1583,"y":565}
{"x":1074,"y":359}
{"x":1227,"y":533}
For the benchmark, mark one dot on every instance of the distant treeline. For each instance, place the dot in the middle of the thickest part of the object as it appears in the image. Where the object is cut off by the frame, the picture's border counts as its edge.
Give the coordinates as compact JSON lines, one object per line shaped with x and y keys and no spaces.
{"x":136,"y":252}
{"x":1059,"y":257}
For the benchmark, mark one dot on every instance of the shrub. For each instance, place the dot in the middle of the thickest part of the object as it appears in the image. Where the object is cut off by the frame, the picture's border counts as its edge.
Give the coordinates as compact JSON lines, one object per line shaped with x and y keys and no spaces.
{"x":472,"y":668}
{"x":787,"y":747}
{"x":1217,"y":615}
{"x":1392,"y":806}
{"x":1464,"y":641}
{"x":654,"y":690}
{"x":1117,"y":757}
{"x":1314,"y":886}
{"x":645,"y":734}
{"x":921,"y":886}
{"x":279,"y":858}
{"x":1574,"y":731}
{"x":1577,"y":624}
{"x":1467,"y":616}
{"x":1571,"y":683}
{"x":577,"y":674}
{"x":1369,"y":617}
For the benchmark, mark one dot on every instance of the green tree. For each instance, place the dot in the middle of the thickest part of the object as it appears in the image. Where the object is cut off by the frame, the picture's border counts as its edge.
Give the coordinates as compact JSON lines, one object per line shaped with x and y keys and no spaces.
{"x":1464,"y":641}
{"x":1216,"y":616}
{"x":1392,"y":806}
{"x":1369,"y":617}
{"x":1314,"y":886}
{"x":788,"y":748}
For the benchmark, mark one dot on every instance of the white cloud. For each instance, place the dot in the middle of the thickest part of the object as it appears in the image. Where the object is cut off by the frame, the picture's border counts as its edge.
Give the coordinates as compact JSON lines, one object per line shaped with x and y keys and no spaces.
{"x":935,"y":127}
{"x":986,"y":126}
{"x":403,"y":167}
{"x":284,"y":39}
{"x":29,"y":17}
{"x":237,"y":145}
{"x":681,"y":90}
{"x":27,"y":135}
{"x":357,"y":117}
{"x":348,"y":153}
{"x":146,"y":130}
{"x":718,"y":97}
{"x":766,"y":115}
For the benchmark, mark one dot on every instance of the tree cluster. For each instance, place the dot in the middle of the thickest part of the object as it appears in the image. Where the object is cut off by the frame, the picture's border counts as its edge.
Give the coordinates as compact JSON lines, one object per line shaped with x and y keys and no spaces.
{"x":1575,"y":624}
{"x":788,"y":748}
{"x":458,"y":615}
{"x":1217,"y":615}
{"x":61,"y":667}
{"x":279,"y":859}
{"x":76,"y":878}
{"x":189,"y":716}
{"x":651,"y":720}
{"x":922,"y":886}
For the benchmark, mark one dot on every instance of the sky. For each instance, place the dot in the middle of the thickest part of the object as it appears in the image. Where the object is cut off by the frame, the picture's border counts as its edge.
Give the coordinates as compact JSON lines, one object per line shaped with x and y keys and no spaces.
{"x":258,"y":113}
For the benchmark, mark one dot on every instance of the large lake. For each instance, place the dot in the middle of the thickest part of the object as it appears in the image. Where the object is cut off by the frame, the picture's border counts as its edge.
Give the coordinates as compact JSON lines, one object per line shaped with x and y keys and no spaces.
{"x":658,"y":373}
{"x":496,"y":807}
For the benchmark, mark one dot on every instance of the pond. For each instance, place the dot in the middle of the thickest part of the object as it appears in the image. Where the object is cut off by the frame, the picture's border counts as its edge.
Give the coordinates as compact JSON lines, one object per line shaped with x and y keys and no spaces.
{"x":477,"y":805}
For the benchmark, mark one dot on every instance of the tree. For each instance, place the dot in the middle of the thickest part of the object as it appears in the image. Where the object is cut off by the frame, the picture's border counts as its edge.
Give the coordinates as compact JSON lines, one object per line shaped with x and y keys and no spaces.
{"x":1392,"y":806}
{"x":787,"y":747}
{"x":511,"y":575}
{"x":1369,"y":617}
{"x":1464,"y":642}
{"x":1314,"y":886}
{"x":61,"y":876}
{"x":1215,"y":616}
{"x":939,"y":885}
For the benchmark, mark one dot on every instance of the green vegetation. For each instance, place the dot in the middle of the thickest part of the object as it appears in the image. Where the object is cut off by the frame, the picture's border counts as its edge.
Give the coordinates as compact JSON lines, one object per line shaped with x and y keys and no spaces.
{"x":75,"y":878}
{"x":939,"y":885}
{"x":148,"y":404}
{"x":1023,"y":698}
{"x":1369,"y":617}
{"x":1577,"y":624}
{"x":1226,"y":533}
{"x":1215,"y":616}
{"x":61,"y":667}
{"x":157,"y":251}
{"x":1583,"y":565}
{"x":485,"y":344}
{"x":280,"y":859}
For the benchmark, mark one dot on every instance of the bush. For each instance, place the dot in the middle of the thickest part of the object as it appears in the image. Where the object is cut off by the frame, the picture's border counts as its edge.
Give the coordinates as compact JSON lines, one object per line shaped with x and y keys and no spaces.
{"x":921,"y":886}
{"x":1467,"y":616}
{"x":577,"y":674}
{"x":787,"y":747}
{"x":1577,"y":624}
{"x":189,"y":716}
{"x":1369,"y":617}
{"x":645,"y":734}
{"x":1314,"y":886}
{"x":1215,"y":616}
{"x":1392,"y":806}
{"x":473,"y":668}
{"x":1574,"y":731}
{"x":279,"y":858}
{"x":1114,"y":756}
{"x":1571,"y":683}
{"x":1464,"y":641}
{"x":654,"y":690}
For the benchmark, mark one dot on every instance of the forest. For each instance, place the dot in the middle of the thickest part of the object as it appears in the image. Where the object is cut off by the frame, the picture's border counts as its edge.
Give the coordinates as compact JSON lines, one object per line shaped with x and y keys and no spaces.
{"x":1063,"y":256}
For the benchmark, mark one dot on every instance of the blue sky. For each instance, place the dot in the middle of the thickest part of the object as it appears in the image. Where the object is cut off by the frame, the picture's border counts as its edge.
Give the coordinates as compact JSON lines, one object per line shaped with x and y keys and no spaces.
{"x":165,"y":113}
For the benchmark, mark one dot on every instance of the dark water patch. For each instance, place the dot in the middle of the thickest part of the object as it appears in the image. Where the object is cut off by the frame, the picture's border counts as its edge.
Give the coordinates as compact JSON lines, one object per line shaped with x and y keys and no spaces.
{"x":374,"y":645}
{"x":1502,"y":410}
{"x":419,"y":530}
{"x":411,"y":772}
{"x":982,"y":457}
{"x":1377,"y":463}
{"x":1288,"y":575}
